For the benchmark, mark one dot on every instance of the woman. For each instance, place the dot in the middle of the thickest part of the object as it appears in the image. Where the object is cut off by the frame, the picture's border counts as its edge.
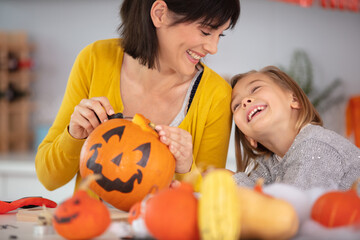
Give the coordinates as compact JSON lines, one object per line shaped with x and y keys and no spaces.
{"x":154,"y":69}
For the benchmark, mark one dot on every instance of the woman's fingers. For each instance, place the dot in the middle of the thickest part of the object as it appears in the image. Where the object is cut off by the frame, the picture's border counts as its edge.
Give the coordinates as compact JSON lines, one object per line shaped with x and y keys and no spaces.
{"x":174,"y":134}
{"x":100,"y":106}
{"x":88,"y":114}
{"x":179,"y":142}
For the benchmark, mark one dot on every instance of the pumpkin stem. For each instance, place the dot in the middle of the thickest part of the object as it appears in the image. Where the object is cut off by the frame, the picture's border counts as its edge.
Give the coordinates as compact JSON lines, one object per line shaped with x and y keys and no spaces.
{"x":84,"y":185}
{"x":152,"y":125}
{"x":355,"y":185}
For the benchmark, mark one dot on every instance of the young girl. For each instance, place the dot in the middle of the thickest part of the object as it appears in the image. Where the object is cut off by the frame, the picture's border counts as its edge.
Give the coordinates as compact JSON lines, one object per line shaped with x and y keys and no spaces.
{"x":282,"y":137}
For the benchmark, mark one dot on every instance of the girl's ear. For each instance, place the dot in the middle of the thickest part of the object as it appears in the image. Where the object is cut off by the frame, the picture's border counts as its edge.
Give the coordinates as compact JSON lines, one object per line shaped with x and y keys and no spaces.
{"x":295,"y":102}
{"x":252,"y":141}
{"x":158,"y":12}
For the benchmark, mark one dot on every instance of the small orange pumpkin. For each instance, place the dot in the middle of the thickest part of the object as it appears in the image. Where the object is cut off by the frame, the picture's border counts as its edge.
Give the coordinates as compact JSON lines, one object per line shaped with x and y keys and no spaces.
{"x":173,"y":213}
{"x":81,"y":216}
{"x":337,"y":208}
{"x":131,"y":159}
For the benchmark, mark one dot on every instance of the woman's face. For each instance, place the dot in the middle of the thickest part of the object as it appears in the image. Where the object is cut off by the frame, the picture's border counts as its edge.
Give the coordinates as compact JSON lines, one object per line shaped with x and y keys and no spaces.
{"x":183,"y":45}
{"x":259,"y":105}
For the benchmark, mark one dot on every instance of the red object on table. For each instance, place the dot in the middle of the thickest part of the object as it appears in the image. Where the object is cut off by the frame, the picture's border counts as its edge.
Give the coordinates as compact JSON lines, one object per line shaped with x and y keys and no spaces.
{"x":353,"y":119}
{"x":26,"y":202}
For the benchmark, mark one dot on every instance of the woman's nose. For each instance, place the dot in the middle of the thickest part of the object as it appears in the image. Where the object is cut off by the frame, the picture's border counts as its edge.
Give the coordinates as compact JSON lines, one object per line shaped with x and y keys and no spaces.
{"x":245,"y":102}
{"x":211,"y":45}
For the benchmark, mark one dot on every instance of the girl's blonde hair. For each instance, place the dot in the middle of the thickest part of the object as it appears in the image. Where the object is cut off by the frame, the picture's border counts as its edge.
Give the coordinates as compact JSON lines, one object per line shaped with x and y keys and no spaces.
{"x":307,"y":114}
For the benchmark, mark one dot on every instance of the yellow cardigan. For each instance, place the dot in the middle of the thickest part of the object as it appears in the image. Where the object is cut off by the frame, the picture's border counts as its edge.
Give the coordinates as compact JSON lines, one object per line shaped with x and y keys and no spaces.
{"x":96,"y":72}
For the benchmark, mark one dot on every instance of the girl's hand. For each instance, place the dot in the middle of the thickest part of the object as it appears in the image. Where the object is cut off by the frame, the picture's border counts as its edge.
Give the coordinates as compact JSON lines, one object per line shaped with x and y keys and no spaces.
{"x":88,"y":115}
{"x":179,"y":142}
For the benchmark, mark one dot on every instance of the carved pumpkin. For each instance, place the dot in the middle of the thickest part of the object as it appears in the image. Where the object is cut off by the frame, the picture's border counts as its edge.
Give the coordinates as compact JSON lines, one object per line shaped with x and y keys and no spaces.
{"x":337,"y":208}
{"x":130,"y":158}
{"x":81,"y":217}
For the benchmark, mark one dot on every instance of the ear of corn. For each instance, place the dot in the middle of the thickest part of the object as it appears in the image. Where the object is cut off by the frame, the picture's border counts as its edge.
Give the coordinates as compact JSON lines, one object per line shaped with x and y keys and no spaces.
{"x":219,"y":207}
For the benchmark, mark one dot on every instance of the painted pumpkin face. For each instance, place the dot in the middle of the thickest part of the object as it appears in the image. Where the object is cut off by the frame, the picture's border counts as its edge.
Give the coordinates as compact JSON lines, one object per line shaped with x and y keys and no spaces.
{"x":130,"y":158}
{"x":81,"y":217}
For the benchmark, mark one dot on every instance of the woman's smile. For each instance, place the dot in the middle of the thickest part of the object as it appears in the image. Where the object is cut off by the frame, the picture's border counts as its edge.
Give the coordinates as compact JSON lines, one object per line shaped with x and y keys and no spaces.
{"x":193,"y":56}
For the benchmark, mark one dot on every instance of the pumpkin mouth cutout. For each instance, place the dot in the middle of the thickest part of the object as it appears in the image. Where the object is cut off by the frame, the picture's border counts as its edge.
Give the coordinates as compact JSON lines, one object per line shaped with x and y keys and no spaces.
{"x":117,"y":184}
{"x":66,"y":219}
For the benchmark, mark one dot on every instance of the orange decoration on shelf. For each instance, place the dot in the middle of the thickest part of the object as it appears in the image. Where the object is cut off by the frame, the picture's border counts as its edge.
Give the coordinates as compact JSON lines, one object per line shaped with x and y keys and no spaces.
{"x":131,"y":159}
{"x":353,"y":119}
{"x":81,"y":216}
{"x":337,"y":208}
{"x":172,"y":213}
{"x":351,"y":5}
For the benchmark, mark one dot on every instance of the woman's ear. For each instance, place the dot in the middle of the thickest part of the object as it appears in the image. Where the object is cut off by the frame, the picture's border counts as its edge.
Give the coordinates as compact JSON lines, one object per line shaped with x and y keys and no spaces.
{"x":295,"y":102}
{"x":252,"y":141}
{"x":158,"y":12}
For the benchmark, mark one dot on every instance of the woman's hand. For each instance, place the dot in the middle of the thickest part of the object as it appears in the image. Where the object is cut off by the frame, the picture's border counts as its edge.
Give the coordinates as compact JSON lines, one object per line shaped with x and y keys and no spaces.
{"x":175,"y":184}
{"x":180,"y":144}
{"x":87,"y":114}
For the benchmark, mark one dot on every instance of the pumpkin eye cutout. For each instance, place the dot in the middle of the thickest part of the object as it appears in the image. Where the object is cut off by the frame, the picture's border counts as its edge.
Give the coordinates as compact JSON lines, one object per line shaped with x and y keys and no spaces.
{"x":145,"y":149}
{"x":130,"y":158}
{"x":115,"y":131}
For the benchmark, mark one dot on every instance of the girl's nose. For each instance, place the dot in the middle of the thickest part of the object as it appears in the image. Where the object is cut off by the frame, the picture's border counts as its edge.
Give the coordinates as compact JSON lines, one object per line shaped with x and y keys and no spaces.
{"x":246,"y":101}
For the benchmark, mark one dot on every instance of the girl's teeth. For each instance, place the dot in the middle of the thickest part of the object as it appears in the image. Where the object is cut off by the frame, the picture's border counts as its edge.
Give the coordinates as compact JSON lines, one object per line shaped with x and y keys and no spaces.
{"x":193,"y":55}
{"x":254,"y":111}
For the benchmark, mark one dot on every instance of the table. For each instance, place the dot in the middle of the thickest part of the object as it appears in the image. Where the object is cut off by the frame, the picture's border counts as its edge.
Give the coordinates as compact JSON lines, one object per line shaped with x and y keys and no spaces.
{"x":11,"y":229}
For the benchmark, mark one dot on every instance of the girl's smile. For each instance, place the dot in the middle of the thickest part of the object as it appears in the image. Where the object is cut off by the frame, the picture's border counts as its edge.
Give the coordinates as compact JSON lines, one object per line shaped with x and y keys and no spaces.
{"x":255,"y":111}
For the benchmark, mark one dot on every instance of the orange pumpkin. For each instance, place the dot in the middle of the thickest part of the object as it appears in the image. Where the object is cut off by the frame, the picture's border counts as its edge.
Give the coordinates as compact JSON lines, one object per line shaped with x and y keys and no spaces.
{"x":81,"y":217}
{"x":130,"y":158}
{"x":172,"y":214}
{"x":337,"y":208}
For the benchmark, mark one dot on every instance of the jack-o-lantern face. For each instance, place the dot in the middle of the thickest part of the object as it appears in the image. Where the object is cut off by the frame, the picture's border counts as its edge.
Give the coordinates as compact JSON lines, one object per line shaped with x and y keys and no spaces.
{"x":81,"y":217}
{"x":131,"y":160}
{"x":118,"y":184}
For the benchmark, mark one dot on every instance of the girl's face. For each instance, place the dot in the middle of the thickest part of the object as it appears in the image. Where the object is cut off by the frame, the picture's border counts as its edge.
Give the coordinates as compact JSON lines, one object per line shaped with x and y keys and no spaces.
{"x":182,"y":46}
{"x":260,"y":107}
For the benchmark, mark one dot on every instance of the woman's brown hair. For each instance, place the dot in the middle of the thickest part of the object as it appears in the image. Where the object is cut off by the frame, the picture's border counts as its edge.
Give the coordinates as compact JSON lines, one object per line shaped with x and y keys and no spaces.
{"x":138,"y":33}
{"x":307,"y":114}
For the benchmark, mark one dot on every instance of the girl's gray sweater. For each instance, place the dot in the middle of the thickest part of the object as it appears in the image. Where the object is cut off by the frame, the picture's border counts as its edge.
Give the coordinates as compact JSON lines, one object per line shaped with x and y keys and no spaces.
{"x":318,"y":157}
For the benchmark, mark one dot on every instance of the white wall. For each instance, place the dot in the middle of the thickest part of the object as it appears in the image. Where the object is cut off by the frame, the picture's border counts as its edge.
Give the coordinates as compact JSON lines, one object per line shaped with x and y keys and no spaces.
{"x":267,"y":33}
